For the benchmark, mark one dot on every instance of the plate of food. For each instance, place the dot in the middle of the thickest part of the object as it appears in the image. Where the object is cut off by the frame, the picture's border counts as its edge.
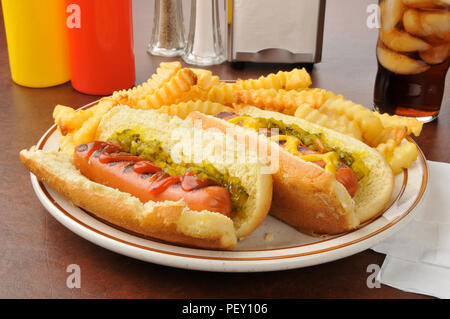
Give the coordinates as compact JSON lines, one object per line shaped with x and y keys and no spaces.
{"x":264,"y":174}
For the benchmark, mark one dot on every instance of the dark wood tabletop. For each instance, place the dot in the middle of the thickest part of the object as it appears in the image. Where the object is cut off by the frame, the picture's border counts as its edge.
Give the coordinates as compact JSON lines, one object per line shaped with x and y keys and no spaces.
{"x":36,"y":249}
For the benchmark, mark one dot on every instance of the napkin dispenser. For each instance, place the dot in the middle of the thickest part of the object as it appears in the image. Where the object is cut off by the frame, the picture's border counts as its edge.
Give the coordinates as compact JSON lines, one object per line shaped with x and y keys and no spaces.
{"x":269,"y":31}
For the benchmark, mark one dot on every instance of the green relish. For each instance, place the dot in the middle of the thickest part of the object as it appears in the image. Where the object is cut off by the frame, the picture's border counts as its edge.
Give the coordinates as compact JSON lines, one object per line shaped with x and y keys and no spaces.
{"x":133,"y":142}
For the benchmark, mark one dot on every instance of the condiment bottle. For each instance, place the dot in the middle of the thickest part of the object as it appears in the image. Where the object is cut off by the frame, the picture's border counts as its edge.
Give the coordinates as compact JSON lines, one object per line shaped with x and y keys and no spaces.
{"x":168,"y":29}
{"x":101,"y":45}
{"x":37,"y":42}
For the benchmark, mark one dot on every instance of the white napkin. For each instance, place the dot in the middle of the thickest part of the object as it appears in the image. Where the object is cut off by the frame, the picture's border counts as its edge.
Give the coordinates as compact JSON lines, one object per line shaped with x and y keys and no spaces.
{"x":418,"y":256}
{"x":267,"y":24}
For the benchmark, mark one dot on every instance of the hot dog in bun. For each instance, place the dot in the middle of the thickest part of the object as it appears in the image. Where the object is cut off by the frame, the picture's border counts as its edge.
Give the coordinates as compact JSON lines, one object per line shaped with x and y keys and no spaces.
{"x":159,"y":176}
{"x":326,"y":182}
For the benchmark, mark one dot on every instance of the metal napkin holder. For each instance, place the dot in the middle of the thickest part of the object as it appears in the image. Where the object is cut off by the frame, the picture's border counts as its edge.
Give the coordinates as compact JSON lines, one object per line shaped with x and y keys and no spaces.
{"x":276,"y":55}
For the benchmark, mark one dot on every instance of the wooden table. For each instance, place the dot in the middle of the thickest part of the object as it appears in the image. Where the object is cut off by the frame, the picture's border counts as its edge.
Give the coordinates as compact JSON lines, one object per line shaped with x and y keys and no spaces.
{"x":35,"y":249}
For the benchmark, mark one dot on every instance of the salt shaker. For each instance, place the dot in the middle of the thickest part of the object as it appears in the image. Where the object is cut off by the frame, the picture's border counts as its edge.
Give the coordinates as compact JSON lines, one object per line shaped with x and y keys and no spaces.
{"x":204,"y":45}
{"x":168,"y":29}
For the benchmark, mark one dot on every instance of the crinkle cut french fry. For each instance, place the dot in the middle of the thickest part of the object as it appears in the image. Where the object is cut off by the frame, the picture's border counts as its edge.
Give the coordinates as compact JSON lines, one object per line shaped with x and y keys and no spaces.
{"x":280,"y":100}
{"x":397,"y":134}
{"x":331,"y":95}
{"x":66,"y":143}
{"x":88,"y":129}
{"x":164,"y":73}
{"x":182,"y":110}
{"x":337,"y":123}
{"x":402,"y":156}
{"x":370,"y":125}
{"x":297,"y":79}
{"x":287,"y":80}
{"x":194,"y":94}
{"x":386,"y":147}
{"x":205,"y":79}
{"x":169,"y":92}
{"x":223,"y":93}
{"x":413,"y":125}
{"x":69,"y":120}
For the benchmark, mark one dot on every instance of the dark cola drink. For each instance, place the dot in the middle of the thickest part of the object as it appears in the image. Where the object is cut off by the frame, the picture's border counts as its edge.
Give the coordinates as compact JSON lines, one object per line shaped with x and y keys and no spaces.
{"x":410,"y":95}
{"x":413,"y":57}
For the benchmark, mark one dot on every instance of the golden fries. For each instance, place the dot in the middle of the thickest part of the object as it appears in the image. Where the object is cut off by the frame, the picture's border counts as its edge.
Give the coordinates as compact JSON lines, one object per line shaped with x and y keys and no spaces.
{"x":69,"y":120}
{"x":182,"y":110}
{"x":280,"y":100}
{"x":295,"y":79}
{"x":178,"y":91}
{"x":368,"y":123}
{"x":84,"y":123}
{"x":335,"y":122}
{"x":133,"y":96}
{"x":402,"y":156}
{"x":292,"y":80}
{"x":223,"y":93}
{"x":205,"y":79}
{"x":169,"y":91}
{"x":413,"y":125}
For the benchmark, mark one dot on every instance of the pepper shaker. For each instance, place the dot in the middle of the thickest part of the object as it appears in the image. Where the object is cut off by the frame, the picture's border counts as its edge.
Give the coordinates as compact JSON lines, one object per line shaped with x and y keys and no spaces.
{"x":168,"y":29}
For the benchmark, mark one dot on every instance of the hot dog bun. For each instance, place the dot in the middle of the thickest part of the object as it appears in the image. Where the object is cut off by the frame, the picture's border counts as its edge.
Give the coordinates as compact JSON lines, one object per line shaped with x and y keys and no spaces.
{"x":169,"y":221}
{"x":307,"y":196}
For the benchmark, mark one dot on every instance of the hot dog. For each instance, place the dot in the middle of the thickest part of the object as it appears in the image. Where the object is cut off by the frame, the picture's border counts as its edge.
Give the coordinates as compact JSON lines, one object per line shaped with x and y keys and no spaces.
{"x":131,"y":175}
{"x":105,"y":163}
{"x":326,"y":182}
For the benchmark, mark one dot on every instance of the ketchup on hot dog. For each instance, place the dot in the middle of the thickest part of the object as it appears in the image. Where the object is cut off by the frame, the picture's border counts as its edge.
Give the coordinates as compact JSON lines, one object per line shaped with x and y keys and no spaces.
{"x":105,"y":163}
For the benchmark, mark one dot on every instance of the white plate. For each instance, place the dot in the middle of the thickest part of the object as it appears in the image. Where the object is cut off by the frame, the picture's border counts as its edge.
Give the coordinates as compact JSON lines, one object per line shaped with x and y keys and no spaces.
{"x":288,"y":248}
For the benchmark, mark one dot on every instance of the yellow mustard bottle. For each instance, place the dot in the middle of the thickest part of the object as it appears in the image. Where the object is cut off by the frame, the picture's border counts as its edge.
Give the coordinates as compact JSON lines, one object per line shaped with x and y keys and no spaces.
{"x":37,"y":40}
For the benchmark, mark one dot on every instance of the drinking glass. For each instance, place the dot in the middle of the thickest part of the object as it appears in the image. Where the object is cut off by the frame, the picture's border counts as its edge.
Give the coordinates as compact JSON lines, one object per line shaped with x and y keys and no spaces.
{"x":413,"y":57}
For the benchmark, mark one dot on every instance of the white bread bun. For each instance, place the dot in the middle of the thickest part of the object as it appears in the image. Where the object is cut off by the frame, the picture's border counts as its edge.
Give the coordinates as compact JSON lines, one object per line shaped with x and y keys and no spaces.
{"x":305,"y":195}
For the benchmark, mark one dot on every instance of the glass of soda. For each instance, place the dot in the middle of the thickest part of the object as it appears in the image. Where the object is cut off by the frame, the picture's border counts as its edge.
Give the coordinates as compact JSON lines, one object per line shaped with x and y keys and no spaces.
{"x":413,"y":53}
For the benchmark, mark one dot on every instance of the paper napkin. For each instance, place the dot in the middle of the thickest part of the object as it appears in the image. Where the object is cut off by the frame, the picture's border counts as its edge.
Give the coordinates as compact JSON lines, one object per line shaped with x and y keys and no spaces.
{"x":418,"y":256}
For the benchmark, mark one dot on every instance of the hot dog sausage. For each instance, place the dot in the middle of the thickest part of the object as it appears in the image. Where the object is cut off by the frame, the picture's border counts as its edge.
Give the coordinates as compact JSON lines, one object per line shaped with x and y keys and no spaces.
{"x":106,"y":164}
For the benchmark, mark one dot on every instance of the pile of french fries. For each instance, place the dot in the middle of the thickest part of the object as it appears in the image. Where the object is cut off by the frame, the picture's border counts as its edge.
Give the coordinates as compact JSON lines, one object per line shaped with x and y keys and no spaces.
{"x":178,"y":91}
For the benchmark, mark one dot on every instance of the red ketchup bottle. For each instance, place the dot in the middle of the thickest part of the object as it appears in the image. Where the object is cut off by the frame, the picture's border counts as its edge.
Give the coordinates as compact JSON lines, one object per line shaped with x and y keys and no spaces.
{"x":101,"y":45}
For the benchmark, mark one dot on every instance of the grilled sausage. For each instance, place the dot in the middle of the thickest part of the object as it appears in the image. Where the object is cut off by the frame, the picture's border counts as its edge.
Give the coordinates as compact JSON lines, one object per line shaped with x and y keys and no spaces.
{"x":106,"y":164}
